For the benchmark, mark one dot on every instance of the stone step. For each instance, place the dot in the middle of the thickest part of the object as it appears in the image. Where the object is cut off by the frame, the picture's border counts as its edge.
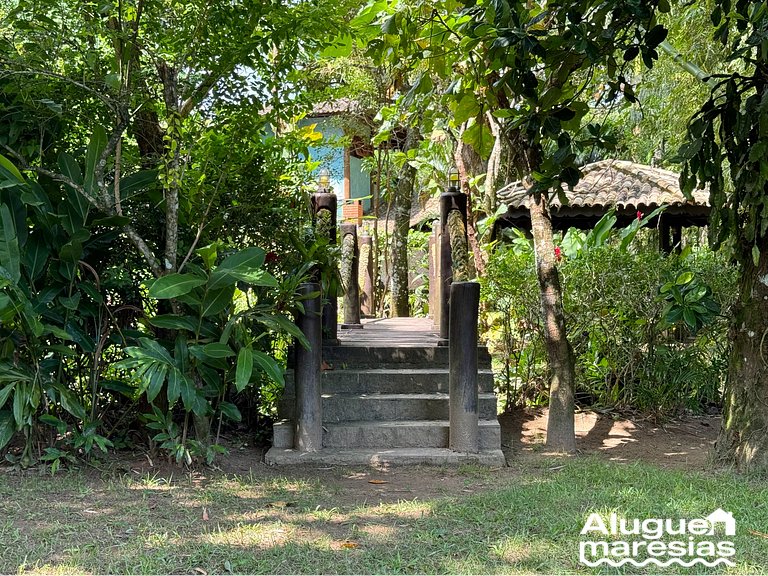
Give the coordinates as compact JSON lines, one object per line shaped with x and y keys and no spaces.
{"x":350,"y":356}
{"x":403,"y":434}
{"x":383,"y":457}
{"x":376,"y":407}
{"x":388,"y":381}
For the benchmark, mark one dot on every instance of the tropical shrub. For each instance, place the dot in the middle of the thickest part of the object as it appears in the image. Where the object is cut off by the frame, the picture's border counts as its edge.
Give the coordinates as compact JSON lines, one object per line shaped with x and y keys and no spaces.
{"x":649,"y":331}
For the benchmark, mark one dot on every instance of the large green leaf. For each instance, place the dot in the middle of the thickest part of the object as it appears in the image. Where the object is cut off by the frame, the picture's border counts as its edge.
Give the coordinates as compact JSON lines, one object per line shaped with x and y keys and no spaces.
{"x":217,"y":300}
{"x":35,"y":256}
{"x":174,"y":285}
{"x":9,"y":166}
{"x":130,"y":185}
{"x":269,"y":365}
{"x":7,"y":427}
{"x":218,"y":350}
{"x":5,"y":393}
{"x":174,"y":322}
{"x":96,"y":147}
{"x":244,"y":368}
{"x":10,"y":258}
{"x":244,"y":263}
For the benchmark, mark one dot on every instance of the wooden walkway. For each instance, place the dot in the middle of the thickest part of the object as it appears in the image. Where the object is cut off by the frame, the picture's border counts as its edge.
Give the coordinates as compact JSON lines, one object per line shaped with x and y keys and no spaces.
{"x":394,"y":332}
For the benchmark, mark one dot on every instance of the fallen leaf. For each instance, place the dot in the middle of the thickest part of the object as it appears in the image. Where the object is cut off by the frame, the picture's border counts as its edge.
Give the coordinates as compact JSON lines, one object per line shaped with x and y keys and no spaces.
{"x":228,"y":566}
{"x":756,"y":533}
{"x":378,"y":481}
{"x":199,"y":571}
{"x":349,"y":544}
{"x":205,"y":515}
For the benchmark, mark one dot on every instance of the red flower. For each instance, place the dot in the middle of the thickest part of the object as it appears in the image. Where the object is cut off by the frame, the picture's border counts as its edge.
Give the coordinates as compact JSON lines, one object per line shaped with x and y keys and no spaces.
{"x":558,"y":253}
{"x":639,"y":215}
{"x":270,"y":258}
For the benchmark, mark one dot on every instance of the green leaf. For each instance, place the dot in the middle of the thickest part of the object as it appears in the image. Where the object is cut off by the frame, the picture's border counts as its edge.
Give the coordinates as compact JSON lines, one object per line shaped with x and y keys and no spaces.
{"x":244,"y":265}
{"x":35,"y":257}
{"x":690,"y":318}
{"x":218,"y":350}
{"x":217,"y":300}
{"x":756,"y":255}
{"x":208,"y":254}
{"x":70,"y":302}
{"x":174,"y":285}
{"x":188,"y":394}
{"x":59,"y":425}
{"x":70,"y":403}
{"x":684,"y":278}
{"x":270,"y":366}
{"x":10,"y":258}
{"x":243,"y":371}
{"x":5,"y":393}
{"x":174,"y":322}
{"x":174,"y":386}
{"x":155,"y":376}
{"x":7,"y":427}
{"x":112,"y":221}
{"x":230,"y":411}
{"x":96,"y":146}
{"x":9,"y":166}
{"x":134,"y":183}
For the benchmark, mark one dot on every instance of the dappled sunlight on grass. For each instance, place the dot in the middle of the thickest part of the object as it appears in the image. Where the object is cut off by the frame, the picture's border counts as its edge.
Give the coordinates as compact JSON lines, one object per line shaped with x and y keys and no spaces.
{"x":489,"y":522}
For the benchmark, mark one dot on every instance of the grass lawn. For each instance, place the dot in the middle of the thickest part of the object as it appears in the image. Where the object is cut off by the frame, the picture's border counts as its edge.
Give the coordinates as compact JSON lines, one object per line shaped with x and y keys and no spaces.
{"x":524,"y":519}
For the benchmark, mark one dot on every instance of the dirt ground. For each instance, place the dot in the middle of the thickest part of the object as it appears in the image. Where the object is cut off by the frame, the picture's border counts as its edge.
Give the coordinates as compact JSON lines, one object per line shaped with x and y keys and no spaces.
{"x":680,"y":444}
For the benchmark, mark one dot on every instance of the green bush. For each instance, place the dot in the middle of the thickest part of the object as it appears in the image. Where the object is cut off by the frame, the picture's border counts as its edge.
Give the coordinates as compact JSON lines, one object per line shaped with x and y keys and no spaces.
{"x":649,"y":331}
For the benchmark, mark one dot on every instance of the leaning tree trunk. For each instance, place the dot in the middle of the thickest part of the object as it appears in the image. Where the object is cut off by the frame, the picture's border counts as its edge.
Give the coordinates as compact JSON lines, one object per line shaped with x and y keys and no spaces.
{"x":402,"y":202}
{"x":743,"y":439}
{"x":561,"y":436}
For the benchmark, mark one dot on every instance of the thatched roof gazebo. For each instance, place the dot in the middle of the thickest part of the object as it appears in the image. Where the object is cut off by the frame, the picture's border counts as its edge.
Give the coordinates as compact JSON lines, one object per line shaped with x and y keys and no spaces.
{"x":628,"y":187}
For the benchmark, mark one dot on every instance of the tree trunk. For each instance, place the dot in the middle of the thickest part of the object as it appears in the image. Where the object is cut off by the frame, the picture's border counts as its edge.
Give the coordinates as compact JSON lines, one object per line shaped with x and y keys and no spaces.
{"x":743,"y":439}
{"x":469,"y":164}
{"x":561,"y":436}
{"x":402,"y":204}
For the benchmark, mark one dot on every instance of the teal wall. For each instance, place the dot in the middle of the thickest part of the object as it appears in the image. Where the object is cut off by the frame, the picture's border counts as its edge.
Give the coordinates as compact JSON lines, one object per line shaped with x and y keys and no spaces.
{"x":331,"y":156}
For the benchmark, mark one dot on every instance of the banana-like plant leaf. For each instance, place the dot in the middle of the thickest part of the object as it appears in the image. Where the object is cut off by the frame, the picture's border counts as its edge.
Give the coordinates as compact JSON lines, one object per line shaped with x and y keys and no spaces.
{"x":216,"y":300}
{"x":10,"y":258}
{"x":174,"y":285}
{"x":9,"y":166}
{"x":269,"y":365}
{"x":130,"y":185}
{"x":7,"y":427}
{"x":241,"y":263}
{"x":230,"y":411}
{"x":244,"y":368}
{"x":218,"y":350}
{"x":96,"y":146}
{"x":174,"y":322}
{"x":5,"y":393}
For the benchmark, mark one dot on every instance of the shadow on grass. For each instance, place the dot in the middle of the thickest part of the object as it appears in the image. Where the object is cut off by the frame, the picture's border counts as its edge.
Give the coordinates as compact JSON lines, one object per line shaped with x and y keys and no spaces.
{"x":528,"y":523}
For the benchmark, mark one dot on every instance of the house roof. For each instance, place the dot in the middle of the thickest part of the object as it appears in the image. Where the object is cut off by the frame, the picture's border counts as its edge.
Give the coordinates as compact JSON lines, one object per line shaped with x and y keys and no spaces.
{"x":626,"y":186}
{"x":616,"y":183}
{"x":336,"y":107}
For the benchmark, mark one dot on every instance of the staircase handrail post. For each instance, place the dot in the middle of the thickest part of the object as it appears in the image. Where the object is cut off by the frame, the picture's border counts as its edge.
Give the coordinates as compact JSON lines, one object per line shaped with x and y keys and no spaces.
{"x":309,"y":421}
{"x":350,"y":266}
{"x":463,"y":402}
{"x":326,"y":201}
{"x":451,"y":199}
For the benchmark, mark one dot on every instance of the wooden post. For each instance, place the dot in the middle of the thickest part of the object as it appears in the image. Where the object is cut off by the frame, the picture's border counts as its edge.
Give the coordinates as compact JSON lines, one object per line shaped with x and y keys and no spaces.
{"x":327,"y":201}
{"x":463,"y":405}
{"x":309,"y":421}
{"x":349,"y":266}
{"x":366,"y":273}
{"x":452,"y":199}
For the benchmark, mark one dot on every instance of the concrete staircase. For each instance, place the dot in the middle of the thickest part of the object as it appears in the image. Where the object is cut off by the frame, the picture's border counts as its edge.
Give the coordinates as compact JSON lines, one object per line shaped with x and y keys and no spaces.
{"x":388,"y":404}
